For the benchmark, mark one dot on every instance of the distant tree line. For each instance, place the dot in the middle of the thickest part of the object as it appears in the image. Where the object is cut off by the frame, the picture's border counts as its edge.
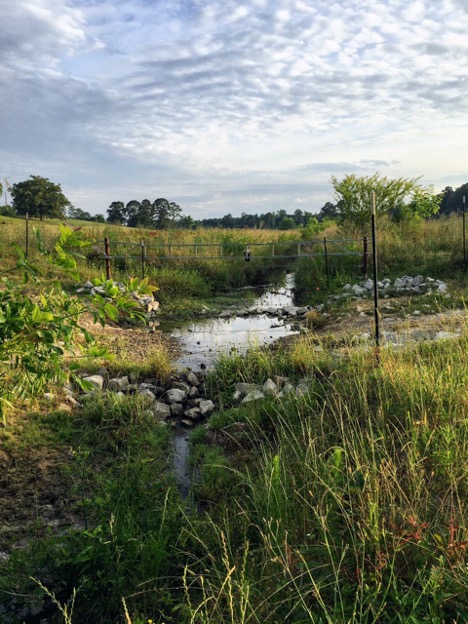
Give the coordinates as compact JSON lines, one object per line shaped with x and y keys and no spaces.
{"x":401,"y":199}
{"x":280,"y":220}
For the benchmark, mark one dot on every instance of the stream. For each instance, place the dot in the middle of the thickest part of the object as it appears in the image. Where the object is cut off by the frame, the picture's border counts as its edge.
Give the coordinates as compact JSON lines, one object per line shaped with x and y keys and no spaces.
{"x":203,"y":341}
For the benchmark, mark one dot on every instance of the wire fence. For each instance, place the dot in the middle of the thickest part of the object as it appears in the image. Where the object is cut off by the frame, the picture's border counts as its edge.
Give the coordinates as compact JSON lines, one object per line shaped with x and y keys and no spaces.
{"x":122,"y":253}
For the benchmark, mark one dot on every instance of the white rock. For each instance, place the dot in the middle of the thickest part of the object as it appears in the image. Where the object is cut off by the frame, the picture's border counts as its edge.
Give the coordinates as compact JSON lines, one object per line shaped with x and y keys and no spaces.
{"x":270,"y":388}
{"x":118,"y":383}
{"x":161,"y":411}
{"x":97,"y":381}
{"x":193,"y":379}
{"x":206,"y":407}
{"x":255,"y":395}
{"x":174,"y":395}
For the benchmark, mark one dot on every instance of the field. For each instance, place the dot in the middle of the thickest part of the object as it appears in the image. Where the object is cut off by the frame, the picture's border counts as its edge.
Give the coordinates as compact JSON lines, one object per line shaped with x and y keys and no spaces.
{"x":344,"y":503}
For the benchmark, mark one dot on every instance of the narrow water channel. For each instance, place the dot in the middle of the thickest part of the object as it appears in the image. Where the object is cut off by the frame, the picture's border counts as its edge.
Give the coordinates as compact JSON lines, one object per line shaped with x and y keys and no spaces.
{"x":203,"y":341}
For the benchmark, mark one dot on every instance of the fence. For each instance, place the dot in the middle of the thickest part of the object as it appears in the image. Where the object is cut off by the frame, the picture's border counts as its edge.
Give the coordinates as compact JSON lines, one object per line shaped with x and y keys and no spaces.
{"x":151,"y":254}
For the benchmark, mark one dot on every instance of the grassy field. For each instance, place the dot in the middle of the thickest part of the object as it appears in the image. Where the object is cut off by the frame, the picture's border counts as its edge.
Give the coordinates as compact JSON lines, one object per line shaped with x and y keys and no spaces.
{"x":343,"y":505}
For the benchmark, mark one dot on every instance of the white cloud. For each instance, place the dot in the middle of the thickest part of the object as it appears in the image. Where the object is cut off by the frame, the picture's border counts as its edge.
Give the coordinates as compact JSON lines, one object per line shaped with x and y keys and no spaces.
{"x":189,"y":88}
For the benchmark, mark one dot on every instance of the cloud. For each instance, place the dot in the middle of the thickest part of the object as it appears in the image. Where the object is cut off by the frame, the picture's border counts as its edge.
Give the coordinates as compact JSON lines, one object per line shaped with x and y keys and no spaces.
{"x":132,"y":94}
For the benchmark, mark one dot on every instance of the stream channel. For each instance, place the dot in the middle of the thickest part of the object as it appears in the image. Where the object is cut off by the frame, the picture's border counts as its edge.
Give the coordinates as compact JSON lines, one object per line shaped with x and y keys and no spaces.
{"x":203,"y":341}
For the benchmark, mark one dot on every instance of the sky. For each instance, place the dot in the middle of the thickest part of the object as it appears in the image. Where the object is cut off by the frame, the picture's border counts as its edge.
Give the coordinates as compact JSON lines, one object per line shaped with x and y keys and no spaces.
{"x":231,"y":106}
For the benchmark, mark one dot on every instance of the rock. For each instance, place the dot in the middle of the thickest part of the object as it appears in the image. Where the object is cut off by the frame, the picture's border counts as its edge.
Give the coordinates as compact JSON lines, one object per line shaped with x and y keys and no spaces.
{"x":117,"y":384}
{"x":147,"y":396}
{"x":180,"y":385}
{"x":368,"y":285}
{"x":442,"y":288}
{"x":270,"y":388}
{"x":194,"y":413}
{"x":445,"y":335}
{"x":418,"y":280}
{"x":71,"y":401}
{"x":193,"y":379}
{"x":358,"y":291}
{"x":245,"y":388}
{"x":177,"y":410}
{"x":161,"y":411}
{"x":88,"y":285}
{"x":237,"y":396}
{"x":175,"y":395}
{"x":97,"y":381}
{"x":255,"y":395}
{"x":288,"y":388}
{"x":194,"y":392}
{"x":206,"y":407}
{"x":398,"y":283}
{"x":417,"y":313}
{"x":187,"y":422}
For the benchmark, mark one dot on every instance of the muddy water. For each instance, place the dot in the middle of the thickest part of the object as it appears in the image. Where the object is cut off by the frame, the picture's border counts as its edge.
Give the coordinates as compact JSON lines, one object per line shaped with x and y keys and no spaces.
{"x":203,"y":342}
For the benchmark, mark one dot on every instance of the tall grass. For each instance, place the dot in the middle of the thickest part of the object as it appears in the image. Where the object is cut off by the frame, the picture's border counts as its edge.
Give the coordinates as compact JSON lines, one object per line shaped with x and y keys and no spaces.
{"x":353,"y":503}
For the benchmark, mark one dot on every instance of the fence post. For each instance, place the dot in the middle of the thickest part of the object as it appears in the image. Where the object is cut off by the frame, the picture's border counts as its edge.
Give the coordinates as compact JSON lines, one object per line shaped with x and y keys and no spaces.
{"x":374,"y":270}
{"x":27,"y":234}
{"x":365,"y":252}
{"x":143,"y":258}
{"x":464,"y":231}
{"x":107,"y":255}
{"x":327,"y":268}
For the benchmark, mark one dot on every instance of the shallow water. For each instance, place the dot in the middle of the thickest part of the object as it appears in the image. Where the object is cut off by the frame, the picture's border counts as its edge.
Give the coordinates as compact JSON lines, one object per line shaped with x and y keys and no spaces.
{"x":203,"y":341}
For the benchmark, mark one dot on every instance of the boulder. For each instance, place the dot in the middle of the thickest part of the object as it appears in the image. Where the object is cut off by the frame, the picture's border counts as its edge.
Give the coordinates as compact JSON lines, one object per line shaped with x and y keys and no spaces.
{"x":206,"y":407}
{"x":117,"y":384}
{"x":161,"y":411}
{"x":97,"y":381}
{"x":270,"y":388}
{"x":175,"y":395}
{"x":193,"y":379}
{"x":255,"y":395}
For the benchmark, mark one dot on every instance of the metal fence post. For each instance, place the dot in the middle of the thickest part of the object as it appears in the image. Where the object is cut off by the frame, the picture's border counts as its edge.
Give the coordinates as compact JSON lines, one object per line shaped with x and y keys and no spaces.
{"x":374,"y":268}
{"x":143,"y":258}
{"x":327,"y":268}
{"x":27,"y":234}
{"x":365,"y":252}
{"x":107,"y":255}
{"x":464,"y":231}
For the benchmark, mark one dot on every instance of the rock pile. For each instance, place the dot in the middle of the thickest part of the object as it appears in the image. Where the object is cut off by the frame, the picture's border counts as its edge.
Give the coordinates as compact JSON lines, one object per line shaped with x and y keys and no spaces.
{"x":182,"y":400}
{"x":147,"y":302}
{"x":281,"y":387}
{"x":285,"y":312}
{"x":400,"y":286}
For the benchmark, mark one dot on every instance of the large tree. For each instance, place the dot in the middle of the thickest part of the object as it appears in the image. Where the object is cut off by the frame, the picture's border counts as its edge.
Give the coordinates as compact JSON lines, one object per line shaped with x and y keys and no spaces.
{"x":39,"y":197}
{"x":165,"y":213}
{"x":116,"y":213}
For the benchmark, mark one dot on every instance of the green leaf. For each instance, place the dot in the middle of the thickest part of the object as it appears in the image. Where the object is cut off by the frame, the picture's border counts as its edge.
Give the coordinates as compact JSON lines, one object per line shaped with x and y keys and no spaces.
{"x":111,"y":311}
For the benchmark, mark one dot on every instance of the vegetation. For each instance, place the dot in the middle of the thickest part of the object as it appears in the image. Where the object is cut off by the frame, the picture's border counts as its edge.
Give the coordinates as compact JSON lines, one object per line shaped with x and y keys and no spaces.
{"x":344,"y":503}
{"x":402,"y":199}
{"x":39,"y":197}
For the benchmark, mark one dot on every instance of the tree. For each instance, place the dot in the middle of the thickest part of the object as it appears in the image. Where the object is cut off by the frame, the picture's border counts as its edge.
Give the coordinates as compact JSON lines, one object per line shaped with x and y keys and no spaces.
{"x":39,"y":197}
{"x":116,"y":213}
{"x":353,"y":197}
{"x":165,"y":213}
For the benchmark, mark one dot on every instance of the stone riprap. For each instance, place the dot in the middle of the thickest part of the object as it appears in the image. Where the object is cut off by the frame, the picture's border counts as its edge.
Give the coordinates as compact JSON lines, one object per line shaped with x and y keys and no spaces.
{"x":405,"y":285}
{"x":183,"y":399}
